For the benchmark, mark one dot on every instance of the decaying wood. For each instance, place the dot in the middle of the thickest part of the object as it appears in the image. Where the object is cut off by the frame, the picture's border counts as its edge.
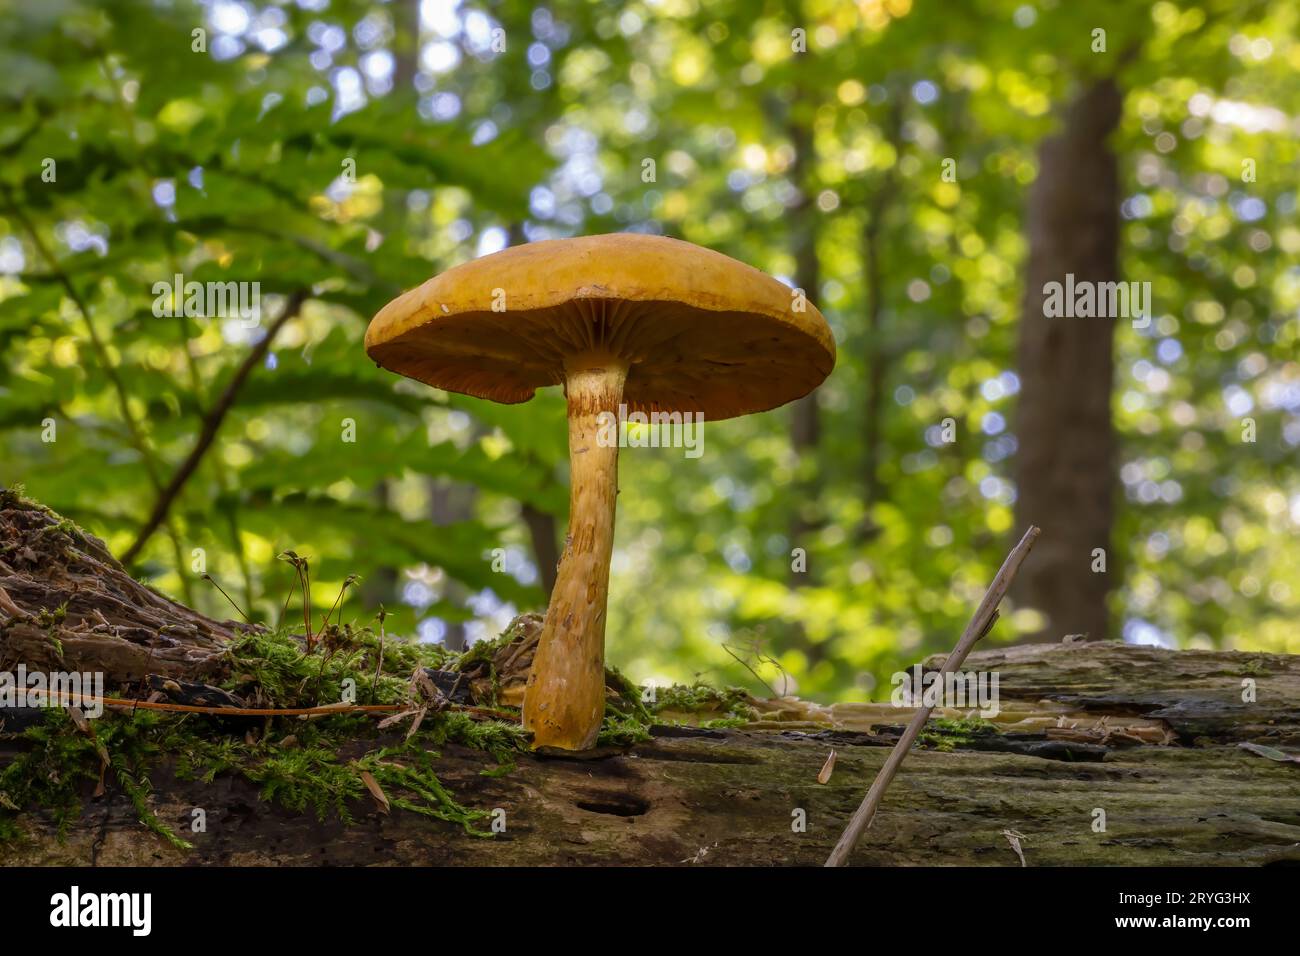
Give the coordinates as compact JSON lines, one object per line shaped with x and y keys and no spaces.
{"x":1190,"y":796}
{"x":1148,"y":736}
{"x":70,"y":605}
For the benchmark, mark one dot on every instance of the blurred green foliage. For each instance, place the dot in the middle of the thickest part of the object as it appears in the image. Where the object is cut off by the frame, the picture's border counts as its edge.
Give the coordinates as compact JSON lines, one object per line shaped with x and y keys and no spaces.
{"x":133,"y":149}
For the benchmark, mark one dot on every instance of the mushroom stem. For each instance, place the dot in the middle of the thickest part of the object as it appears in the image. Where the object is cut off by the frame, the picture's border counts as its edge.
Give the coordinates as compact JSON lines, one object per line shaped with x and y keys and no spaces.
{"x":564,"y":701}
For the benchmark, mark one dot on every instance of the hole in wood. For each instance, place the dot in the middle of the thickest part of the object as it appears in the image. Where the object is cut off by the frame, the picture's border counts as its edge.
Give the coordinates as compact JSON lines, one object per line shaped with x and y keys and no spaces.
{"x":616,"y":804}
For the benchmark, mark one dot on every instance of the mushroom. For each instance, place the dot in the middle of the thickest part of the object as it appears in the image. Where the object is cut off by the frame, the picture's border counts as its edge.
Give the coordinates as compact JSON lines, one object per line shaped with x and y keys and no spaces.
{"x":624,"y":322}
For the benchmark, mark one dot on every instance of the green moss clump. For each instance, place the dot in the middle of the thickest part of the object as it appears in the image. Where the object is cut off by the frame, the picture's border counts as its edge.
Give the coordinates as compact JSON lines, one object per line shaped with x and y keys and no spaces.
{"x":1256,"y":667}
{"x":296,"y":764}
{"x":49,"y":774}
{"x":277,"y":664}
{"x":302,"y":771}
{"x":15,"y":496}
{"x":61,"y":760}
{"x":484,"y":652}
{"x":726,"y":704}
{"x":497,"y":738}
{"x":315,"y":778}
{"x":622,"y":730}
{"x":947,"y":735}
{"x":724,"y":723}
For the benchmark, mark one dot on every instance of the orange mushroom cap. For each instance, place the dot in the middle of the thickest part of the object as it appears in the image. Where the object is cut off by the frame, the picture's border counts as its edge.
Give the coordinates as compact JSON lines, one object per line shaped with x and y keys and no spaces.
{"x":700,"y":331}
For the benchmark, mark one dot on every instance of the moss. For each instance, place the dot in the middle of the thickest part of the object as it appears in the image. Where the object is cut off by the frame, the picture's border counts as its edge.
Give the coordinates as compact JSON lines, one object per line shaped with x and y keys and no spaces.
{"x":49,"y":774}
{"x":620,"y":730}
{"x":946,"y":735}
{"x":302,"y":774}
{"x":15,"y":497}
{"x":497,"y":738}
{"x":300,"y":765}
{"x":310,"y":775}
{"x":296,"y":764}
{"x":728,"y":703}
{"x":628,"y":719}
{"x":417,"y":777}
{"x":628,"y":700}
{"x":1256,"y":667}
{"x":50,"y":621}
{"x":484,"y":652}
{"x":64,"y":526}
{"x":278,"y":665}
{"x":60,"y":761}
{"x":137,"y":790}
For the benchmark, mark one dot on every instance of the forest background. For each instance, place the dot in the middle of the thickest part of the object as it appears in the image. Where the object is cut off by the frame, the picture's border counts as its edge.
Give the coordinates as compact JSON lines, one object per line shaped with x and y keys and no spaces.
{"x":922,"y":169}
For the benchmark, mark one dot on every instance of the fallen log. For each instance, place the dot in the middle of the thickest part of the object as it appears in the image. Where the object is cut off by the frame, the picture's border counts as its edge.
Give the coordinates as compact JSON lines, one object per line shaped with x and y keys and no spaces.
{"x":67,"y":603}
{"x":1101,"y":754}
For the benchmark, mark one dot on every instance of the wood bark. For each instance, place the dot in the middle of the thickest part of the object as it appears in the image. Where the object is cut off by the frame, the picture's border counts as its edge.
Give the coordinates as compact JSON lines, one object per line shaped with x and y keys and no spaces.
{"x":541,"y":534}
{"x":1066,"y":463}
{"x":451,"y":502}
{"x":876,"y":356}
{"x":730,"y":797}
{"x":805,"y":424}
{"x":1150,"y":737}
{"x":67,"y":604}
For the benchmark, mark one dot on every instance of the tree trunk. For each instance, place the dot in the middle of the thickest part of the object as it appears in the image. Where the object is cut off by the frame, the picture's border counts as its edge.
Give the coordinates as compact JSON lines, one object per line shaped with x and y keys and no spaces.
{"x":451,"y":502}
{"x":805,"y":425}
{"x":406,"y":45}
{"x":546,"y":553}
{"x":877,"y":353}
{"x":1066,"y":464}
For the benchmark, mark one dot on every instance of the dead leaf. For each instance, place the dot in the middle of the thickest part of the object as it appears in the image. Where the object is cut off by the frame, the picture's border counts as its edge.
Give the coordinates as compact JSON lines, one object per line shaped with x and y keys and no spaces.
{"x":828,"y":768}
{"x":700,"y":854}
{"x":395,"y":719}
{"x":376,"y":790}
{"x":415,"y":724}
{"x":80,"y":720}
{"x":1014,"y":837}
{"x":84,"y":726}
{"x":1272,"y":753}
{"x":8,"y":606}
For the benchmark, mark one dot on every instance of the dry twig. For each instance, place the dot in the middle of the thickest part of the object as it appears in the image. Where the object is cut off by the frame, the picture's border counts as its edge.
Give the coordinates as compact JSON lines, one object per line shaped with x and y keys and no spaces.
{"x":979,"y":625}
